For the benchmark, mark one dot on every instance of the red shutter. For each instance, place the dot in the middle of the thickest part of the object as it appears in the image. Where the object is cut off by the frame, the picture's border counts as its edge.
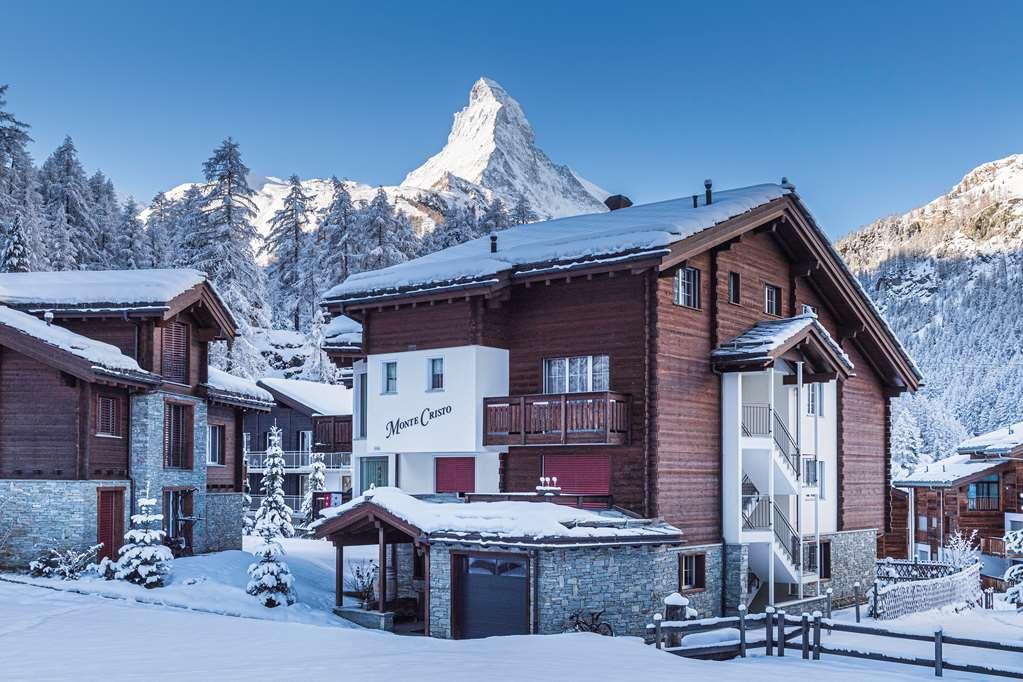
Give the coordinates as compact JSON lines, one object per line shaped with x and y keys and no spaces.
{"x":456,"y":474}
{"x":110,"y":522}
{"x":580,"y":474}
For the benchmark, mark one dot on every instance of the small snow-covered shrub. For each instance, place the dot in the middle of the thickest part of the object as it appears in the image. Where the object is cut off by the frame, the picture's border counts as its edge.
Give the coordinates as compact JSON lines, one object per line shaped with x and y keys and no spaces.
{"x":63,"y":562}
{"x":1013,"y":576}
{"x":8,"y":519}
{"x":363,"y":581}
{"x":961,"y":550}
{"x":144,"y":559}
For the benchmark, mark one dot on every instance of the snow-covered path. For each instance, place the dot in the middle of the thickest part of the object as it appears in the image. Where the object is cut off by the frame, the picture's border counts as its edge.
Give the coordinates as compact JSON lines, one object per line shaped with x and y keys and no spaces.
{"x":50,"y":635}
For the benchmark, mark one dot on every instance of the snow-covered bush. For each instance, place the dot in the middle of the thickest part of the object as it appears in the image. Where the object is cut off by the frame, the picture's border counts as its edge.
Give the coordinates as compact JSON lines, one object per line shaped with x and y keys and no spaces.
{"x":66,"y":563}
{"x":316,"y":482}
{"x":270,"y":580}
{"x":8,"y":519}
{"x":143,"y":559}
{"x":272,"y":510}
{"x":961,"y":550}
{"x":363,"y":581}
{"x":248,"y":524}
{"x":1013,"y":575}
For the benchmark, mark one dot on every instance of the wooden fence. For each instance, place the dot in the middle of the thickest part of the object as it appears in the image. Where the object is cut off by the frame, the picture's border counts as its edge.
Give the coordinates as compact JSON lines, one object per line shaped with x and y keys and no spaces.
{"x":775,"y":630}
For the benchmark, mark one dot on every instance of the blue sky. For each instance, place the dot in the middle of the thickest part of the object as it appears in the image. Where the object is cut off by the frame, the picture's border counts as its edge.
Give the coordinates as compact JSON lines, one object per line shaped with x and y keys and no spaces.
{"x":870,"y":108}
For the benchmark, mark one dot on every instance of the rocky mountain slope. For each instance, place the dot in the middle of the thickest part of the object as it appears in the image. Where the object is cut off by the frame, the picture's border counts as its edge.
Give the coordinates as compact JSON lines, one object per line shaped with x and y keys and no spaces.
{"x":949,"y":276}
{"x":490,"y":153}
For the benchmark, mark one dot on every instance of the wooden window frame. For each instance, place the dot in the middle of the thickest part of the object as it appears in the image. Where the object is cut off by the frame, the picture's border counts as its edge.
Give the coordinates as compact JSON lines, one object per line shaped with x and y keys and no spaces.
{"x":384,"y":379}
{"x":431,"y":385}
{"x":167,"y":357}
{"x":691,"y":298}
{"x":187,"y":461}
{"x":699,"y":583}
{"x":567,"y":362}
{"x":768,"y":289}
{"x":115,"y":403}
{"x":734,"y":288}
{"x":221,"y":441}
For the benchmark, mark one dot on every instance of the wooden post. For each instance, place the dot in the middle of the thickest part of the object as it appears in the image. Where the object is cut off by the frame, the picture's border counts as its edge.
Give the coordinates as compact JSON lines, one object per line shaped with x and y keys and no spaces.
{"x":856,"y":599}
{"x":426,"y":590}
{"x":522,"y":419}
{"x":937,"y":653}
{"x":339,"y":575}
{"x":742,"y":630}
{"x":877,"y":600}
{"x":769,"y":619}
{"x":381,"y":568}
{"x":828,"y":595}
{"x":780,"y":615}
{"x":816,"y":635}
{"x":564,"y":419}
{"x":806,"y":635}
{"x":989,"y":598}
{"x":657,"y":630}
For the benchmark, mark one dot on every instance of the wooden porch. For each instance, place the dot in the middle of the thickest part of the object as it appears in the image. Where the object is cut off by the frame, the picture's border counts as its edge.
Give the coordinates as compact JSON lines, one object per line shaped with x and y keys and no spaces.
{"x":601,"y":418}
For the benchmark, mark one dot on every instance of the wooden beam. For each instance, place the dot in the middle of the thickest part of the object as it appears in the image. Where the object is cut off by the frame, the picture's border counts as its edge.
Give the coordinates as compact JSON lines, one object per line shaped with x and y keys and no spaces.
{"x":339,"y":575}
{"x":84,"y":428}
{"x":811,"y":378}
{"x":426,"y":589}
{"x":382,"y":563}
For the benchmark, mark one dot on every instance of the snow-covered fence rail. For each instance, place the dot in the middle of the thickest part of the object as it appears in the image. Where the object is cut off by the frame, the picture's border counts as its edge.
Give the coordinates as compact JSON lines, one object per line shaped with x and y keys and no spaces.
{"x":735,"y":634}
{"x":902,"y":598}
{"x":939,"y":663}
{"x":900,"y":570}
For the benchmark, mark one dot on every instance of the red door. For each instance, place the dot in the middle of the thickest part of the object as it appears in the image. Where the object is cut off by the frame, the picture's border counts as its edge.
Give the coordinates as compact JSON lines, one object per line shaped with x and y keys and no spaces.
{"x":456,"y":474}
{"x":109,"y":521}
{"x":580,"y":474}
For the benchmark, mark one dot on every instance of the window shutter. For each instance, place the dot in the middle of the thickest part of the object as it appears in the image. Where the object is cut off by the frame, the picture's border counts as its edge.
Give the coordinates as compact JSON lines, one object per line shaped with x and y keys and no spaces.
{"x":580,"y":474}
{"x":700,"y":564}
{"x":455,"y":474}
{"x":175,"y":352}
{"x":168,"y":424}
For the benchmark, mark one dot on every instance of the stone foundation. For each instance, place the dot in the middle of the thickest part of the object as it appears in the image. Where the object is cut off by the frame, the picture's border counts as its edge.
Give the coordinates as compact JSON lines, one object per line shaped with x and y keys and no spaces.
{"x":736,"y":577}
{"x":853,"y":557}
{"x":48,"y":514}
{"x":223,"y":521}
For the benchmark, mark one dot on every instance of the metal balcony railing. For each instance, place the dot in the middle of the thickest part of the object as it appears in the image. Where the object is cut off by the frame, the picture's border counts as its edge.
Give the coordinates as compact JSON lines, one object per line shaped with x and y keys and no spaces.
{"x":293,"y":501}
{"x":557,"y":419}
{"x":300,"y":459}
{"x":756,"y":423}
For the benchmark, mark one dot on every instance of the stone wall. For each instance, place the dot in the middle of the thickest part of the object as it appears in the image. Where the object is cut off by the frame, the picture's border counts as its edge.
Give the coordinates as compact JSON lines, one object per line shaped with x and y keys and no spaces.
{"x":440,"y":592}
{"x":223,"y":521}
{"x":51,"y":514}
{"x":853,"y":557}
{"x":736,"y":577}
{"x":147,"y":456}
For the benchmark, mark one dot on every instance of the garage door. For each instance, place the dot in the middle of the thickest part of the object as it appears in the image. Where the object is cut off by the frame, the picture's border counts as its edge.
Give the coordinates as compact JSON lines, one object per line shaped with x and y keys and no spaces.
{"x":580,"y":474}
{"x":491,"y":596}
{"x":456,"y":475}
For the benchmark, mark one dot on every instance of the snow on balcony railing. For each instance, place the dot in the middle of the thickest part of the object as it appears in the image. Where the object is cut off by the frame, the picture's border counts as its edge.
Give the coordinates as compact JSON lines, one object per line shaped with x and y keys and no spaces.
{"x":301,"y":459}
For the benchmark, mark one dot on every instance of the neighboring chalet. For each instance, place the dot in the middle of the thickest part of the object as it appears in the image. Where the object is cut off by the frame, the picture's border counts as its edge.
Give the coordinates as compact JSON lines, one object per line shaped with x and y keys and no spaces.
{"x":978,"y":489}
{"x":710,"y":361}
{"x":342,"y":341}
{"x":104,"y":386}
{"x":314,"y":418}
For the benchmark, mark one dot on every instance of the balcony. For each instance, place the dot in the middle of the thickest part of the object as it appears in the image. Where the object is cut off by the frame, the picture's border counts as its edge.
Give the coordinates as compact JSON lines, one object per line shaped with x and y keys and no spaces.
{"x":557,"y":419}
{"x":300,"y":459}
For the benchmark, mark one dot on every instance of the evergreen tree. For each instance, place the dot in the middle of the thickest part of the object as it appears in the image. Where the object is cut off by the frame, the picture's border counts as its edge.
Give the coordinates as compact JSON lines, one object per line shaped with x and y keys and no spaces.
{"x":159,"y":227}
{"x":15,"y":254}
{"x":273,"y":512}
{"x":131,"y":250}
{"x":336,"y":237}
{"x":68,"y":210}
{"x":495,"y":218}
{"x":144,"y":559}
{"x":316,"y":482}
{"x":270,"y":580}
{"x":106,"y":212}
{"x":13,"y":140}
{"x":459,"y":225}
{"x":384,"y":236}
{"x":287,"y":247}
{"x":521,"y":212}
{"x":317,"y":366}
{"x":248,"y":524}
{"x":906,"y":444}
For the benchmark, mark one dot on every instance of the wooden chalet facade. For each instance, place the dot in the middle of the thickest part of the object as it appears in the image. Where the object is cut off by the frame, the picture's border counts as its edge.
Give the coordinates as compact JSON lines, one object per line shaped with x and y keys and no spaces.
{"x":105,"y":386}
{"x":604,"y":351}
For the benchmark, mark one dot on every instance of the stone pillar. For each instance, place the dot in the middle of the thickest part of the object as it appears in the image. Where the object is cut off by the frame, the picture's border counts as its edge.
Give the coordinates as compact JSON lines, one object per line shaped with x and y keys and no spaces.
{"x":736,"y":577}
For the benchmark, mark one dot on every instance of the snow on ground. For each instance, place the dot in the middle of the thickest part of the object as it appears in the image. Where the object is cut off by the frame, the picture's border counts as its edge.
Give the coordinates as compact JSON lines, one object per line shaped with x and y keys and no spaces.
{"x":216,"y":583}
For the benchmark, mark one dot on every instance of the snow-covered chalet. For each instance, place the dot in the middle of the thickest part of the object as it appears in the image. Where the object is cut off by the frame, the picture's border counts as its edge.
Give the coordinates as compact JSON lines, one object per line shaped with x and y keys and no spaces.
{"x":105,"y":386}
{"x":708,"y":361}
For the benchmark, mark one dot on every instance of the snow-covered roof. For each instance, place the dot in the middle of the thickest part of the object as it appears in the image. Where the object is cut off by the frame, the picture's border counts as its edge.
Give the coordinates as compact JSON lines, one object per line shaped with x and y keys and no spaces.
{"x":948,"y":471}
{"x":102,"y":357}
{"x":625,"y":233}
{"x":328,"y":400}
{"x":342,"y":332}
{"x":237,"y":390}
{"x":759,"y":341}
{"x":507,"y":520}
{"x":999,"y":442}
{"x":97,"y":288}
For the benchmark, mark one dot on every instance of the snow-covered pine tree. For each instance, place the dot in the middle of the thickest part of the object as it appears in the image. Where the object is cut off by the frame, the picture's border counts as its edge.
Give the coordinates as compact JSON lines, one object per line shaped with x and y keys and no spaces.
{"x":273,"y":512}
{"x":68,"y":209}
{"x":495,"y":217}
{"x":248,"y":523}
{"x":15,"y":254}
{"x":521,"y":212}
{"x":318,"y":365}
{"x":337,"y":255}
{"x":13,"y":140}
{"x":316,"y":482}
{"x":906,"y":445}
{"x":144,"y":559}
{"x":287,"y":246}
{"x":131,"y":248}
{"x":384,"y":236}
{"x":459,"y":225}
{"x":158,"y":232}
{"x":1013,"y":575}
{"x":106,"y":211}
{"x":61,"y":249}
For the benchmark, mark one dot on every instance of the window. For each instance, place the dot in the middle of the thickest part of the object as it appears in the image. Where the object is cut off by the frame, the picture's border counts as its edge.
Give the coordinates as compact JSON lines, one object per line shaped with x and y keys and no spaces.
{"x":734,"y":295}
{"x":246,"y":438}
{"x":811,"y":399}
{"x":174,"y":353}
{"x":923,"y":554}
{"x":687,"y":287}
{"x":580,"y":374}
{"x":921,"y":523}
{"x":178,"y":519}
{"x":825,"y":573}
{"x":108,"y":416}
{"x":983,"y":494}
{"x":390,"y":377}
{"x":822,"y":480}
{"x":692,"y":571}
{"x":177,"y":436}
{"x":772,"y":300}
{"x":360,"y":391}
{"x":435,"y":382}
{"x":809,"y":472}
{"x":215,"y":444}
{"x":305,"y":441}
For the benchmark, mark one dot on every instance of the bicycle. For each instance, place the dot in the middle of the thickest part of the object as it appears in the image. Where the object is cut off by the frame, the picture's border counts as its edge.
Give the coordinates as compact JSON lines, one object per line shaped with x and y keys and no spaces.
{"x":579,"y":624}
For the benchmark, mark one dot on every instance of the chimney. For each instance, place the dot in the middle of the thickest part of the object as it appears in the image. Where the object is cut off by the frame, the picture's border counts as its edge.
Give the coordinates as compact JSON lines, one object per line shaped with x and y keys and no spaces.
{"x":493,"y":243}
{"x":48,"y":316}
{"x":707,"y":184}
{"x":617,"y":201}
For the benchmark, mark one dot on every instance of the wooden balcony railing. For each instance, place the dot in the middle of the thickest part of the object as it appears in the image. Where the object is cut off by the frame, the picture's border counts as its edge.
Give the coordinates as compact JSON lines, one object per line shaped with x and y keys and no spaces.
{"x":557,"y":419}
{"x":982,"y":504}
{"x":994,"y":546}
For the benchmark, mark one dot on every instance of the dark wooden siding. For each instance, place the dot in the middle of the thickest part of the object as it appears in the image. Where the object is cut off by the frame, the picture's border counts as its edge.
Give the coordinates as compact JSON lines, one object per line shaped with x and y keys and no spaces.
{"x":289,"y":421}
{"x":425,"y":326}
{"x":332,"y":434}
{"x":108,"y":456}
{"x":894,"y":542}
{"x":39,"y":431}
{"x":120,"y":333}
{"x":227,"y":477}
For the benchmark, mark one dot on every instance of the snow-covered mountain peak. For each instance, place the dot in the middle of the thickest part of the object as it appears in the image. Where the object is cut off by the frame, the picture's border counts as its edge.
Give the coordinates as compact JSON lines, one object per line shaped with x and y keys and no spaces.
{"x":492,"y":145}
